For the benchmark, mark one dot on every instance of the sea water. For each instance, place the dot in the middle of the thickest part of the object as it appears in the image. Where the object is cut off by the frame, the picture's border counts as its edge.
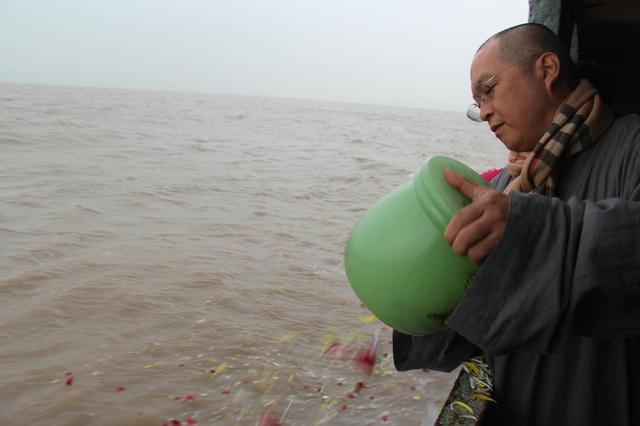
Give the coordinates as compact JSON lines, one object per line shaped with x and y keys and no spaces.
{"x":180,"y":256}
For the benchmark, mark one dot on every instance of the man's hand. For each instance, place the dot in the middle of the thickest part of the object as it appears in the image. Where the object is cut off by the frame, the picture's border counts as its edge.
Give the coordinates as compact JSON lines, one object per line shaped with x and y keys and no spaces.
{"x":475,"y":230}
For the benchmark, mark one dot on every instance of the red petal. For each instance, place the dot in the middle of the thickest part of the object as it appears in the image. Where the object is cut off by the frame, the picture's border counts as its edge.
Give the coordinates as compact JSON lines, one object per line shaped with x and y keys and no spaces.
{"x":366,"y":360}
{"x":269,"y":419}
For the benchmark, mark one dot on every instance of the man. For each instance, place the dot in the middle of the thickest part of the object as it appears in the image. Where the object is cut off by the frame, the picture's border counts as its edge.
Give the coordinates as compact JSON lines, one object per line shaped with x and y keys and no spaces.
{"x":555,"y":306}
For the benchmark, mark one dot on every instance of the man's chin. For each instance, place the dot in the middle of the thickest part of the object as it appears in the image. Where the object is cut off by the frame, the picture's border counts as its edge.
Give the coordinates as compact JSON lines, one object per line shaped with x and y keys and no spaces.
{"x":504,"y":141}
{"x":509,"y":144}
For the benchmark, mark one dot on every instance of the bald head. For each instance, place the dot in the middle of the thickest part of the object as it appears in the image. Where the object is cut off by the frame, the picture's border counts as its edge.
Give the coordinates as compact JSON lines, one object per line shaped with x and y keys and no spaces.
{"x":526,"y":42}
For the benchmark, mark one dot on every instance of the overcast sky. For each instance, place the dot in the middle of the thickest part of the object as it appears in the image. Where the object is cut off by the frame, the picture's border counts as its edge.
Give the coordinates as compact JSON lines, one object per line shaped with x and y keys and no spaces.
{"x":402,"y":52}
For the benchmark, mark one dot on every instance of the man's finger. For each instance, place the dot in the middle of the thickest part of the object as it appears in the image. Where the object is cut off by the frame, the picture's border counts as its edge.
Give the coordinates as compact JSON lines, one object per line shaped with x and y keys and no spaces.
{"x":460,"y":220}
{"x":464,"y":185}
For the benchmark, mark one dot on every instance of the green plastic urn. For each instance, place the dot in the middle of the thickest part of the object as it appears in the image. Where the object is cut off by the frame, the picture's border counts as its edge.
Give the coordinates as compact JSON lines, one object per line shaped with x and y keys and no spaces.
{"x":397,"y":260}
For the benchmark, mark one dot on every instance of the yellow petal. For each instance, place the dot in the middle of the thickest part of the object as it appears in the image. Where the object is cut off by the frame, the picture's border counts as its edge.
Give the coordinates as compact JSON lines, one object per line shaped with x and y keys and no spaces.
{"x":329,"y":338}
{"x":219,"y":369}
{"x":463,"y":405}
{"x":287,"y":337}
{"x":368,"y":319}
{"x":483,"y":397}
{"x":356,"y":336}
{"x":474,"y":369}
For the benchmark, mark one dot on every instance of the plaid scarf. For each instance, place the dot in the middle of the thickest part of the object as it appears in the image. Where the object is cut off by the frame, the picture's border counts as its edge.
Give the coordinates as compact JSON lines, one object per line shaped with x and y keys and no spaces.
{"x":579,"y":122}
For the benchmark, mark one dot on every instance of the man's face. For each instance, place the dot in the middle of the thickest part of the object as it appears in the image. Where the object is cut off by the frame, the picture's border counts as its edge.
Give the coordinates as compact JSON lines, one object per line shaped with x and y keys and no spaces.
{"x":514,"y":102}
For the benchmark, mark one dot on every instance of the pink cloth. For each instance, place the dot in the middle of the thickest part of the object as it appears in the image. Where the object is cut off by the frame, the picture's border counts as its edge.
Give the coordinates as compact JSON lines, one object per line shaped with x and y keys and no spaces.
{"x":490,"y":174}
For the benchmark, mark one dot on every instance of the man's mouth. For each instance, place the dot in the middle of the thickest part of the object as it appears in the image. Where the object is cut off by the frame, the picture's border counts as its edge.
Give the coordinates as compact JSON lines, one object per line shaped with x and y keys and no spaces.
{"x":495,"y":127}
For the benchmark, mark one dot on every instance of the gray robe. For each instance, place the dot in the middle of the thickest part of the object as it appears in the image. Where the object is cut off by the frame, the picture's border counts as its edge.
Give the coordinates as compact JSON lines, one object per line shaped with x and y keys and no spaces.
{"x":555,"y":308}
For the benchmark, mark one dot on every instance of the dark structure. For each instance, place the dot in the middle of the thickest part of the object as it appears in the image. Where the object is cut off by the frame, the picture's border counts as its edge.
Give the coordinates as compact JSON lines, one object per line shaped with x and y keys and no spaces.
{"x":604,"y":36}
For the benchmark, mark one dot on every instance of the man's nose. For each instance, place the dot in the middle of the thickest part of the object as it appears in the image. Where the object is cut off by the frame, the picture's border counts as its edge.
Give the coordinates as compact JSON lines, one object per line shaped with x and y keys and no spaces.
{"x":486,"y":109}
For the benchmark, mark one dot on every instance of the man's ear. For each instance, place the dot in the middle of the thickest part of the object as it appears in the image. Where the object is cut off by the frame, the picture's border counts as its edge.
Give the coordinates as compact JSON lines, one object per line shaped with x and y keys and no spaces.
{"x":550,"y":69}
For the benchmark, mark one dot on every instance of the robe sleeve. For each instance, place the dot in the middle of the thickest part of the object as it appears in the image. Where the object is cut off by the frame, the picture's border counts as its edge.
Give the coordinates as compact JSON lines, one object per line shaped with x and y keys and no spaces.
{"x":443,"y":351}
{"x":561,"y":269}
